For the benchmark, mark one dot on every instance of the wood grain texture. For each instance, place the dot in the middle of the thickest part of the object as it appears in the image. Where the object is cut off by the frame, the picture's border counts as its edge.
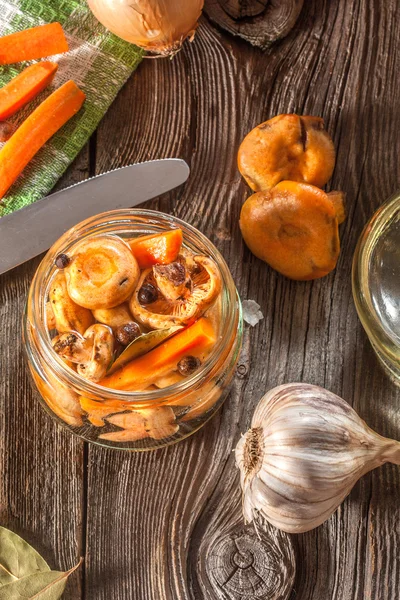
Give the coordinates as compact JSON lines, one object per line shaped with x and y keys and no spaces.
{"x":260,"y":22}
{"x":41,"y":464}
{"x":163,"y":525}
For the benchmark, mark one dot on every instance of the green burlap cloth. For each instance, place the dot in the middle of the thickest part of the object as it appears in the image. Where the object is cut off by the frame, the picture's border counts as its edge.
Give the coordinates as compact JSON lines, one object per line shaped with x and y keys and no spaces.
{"x":97,"y":61}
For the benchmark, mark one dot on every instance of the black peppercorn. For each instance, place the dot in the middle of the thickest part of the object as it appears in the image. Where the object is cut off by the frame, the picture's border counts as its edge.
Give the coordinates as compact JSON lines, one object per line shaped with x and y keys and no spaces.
{"x":188,"y":365}
{"x":147,"y":294}
{"x":62,"y":261}
{"x":125,"y":334}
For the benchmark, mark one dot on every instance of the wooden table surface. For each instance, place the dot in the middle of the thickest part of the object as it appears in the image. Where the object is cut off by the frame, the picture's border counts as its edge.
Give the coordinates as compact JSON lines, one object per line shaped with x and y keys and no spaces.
{"x":167,"y":525}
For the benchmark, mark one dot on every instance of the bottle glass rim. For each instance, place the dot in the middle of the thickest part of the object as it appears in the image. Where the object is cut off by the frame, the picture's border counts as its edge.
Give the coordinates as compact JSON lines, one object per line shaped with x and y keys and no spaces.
{"x":380,"y":337}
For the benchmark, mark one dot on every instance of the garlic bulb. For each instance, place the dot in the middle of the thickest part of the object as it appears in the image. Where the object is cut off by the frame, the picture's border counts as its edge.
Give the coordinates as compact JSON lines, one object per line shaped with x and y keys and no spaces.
{"x":159,"y":26}
{"x":303,"y":454}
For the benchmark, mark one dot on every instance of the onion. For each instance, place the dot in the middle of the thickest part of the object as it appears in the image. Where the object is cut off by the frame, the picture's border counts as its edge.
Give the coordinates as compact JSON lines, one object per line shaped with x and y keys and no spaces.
{"x":160,"y":26}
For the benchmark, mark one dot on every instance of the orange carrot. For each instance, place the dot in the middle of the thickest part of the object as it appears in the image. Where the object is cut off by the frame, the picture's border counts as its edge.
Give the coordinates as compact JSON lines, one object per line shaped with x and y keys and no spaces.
{"x":45,"y":120}
{"x":160,"y":249}
{"x":144,"y":370}
{"x":24,"y":87}
{"x":29,"y":44}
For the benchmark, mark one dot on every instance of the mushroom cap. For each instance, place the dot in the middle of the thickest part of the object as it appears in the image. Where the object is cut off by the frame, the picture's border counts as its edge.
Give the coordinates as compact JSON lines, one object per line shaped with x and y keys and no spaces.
{"x":287,"y":147}
{"x":165,"y":312}
{"x":294,"y":228}
{"x":113,"y":317}
{"x":68,"y":315}
{"x":102,"y":273}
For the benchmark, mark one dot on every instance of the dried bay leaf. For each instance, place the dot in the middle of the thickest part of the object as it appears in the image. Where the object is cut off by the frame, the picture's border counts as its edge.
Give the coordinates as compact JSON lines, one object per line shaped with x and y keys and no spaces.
{"x":17,"y":558}
{"x":24,"y":574}
{"x":47,"y":585}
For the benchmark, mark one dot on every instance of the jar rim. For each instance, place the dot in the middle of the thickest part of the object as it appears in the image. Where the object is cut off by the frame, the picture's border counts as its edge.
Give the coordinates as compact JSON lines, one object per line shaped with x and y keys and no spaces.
{"x":232,"y":319}
{"x":360,"y":278}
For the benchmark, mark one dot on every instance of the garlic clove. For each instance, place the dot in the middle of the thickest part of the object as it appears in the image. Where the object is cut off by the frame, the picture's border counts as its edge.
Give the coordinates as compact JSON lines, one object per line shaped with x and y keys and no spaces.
{"x":305,"y":451}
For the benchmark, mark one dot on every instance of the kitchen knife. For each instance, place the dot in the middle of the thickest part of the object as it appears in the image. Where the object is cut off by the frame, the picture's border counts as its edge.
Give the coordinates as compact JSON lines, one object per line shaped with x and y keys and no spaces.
{"x":33,"y":229}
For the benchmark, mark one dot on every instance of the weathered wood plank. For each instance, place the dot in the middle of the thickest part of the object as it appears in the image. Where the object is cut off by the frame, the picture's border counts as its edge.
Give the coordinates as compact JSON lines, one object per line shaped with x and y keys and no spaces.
{"x":41,"y":464}
{"x":164,"y":525}
{"x":162,"y":518}
{"x":260,"y":22}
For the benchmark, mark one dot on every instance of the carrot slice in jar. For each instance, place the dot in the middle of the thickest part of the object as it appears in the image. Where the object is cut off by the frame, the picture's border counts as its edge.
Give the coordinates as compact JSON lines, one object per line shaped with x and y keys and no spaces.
{"x":160,"y":249}
{"x":144,"y":370}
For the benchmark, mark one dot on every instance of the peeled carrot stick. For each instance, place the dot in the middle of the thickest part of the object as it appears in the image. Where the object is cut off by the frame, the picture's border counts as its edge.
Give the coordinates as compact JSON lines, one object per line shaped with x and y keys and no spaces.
{"x":36,"y":42}
{"x":39,"y":127}
{"x":193,"y":340}
{"x":25,"y":86}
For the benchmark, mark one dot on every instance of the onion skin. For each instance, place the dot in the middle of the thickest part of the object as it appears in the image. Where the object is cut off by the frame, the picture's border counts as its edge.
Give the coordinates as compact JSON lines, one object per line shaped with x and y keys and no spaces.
{"x":159,"y":26}
{"x":304,"y":453}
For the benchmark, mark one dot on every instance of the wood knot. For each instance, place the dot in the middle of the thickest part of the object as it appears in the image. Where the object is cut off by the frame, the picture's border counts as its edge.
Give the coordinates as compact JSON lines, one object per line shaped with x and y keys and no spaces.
{"x":243,"y":560}
{"x":241,"y":371}
{"x":242,"y":565}
{"x":260,"y":22}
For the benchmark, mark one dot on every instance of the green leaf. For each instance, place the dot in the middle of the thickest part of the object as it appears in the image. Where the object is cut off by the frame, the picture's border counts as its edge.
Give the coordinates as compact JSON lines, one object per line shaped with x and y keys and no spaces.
{"x":48,"y":585}
{"x":17,"y":558}
{"x":142,"y":344}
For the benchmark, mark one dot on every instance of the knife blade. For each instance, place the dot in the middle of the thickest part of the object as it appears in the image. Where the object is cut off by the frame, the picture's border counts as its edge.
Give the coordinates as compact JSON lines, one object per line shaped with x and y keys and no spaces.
{"x":33,"y":229}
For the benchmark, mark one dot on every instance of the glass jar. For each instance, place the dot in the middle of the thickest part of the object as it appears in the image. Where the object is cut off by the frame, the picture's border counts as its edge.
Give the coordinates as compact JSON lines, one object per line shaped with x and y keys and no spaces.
{"x":70,"y":398}
{"x":376,"y":284}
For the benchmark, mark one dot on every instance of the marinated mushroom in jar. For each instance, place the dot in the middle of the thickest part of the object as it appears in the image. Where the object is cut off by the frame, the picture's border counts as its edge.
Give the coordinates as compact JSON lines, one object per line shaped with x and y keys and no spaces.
{"x":159,"y":326}
{"x":68,"y":315}
{"x":92,"y":352}
{"x":102,"y":341}
{"x":61,"y":400}
{"x":287,"y":147}
{"x":294,"y":228}
{"x":102,"y":272}
{"x":173,"y":281}
{"x":172,"y":295}
{"x":49,"y":316}
{"x":73,"y":347}
{"x":113,"y":317}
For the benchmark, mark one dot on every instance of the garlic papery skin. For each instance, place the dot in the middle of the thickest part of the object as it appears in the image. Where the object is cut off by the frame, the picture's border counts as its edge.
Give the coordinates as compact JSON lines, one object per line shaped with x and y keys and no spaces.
{"x":159,"y":26}
{"x":303,"y":454}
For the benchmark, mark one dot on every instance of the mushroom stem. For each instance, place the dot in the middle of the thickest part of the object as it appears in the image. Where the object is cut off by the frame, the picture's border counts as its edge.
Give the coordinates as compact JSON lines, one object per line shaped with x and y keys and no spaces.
{"x":173,"y":281}
{"x":73,"y":347}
